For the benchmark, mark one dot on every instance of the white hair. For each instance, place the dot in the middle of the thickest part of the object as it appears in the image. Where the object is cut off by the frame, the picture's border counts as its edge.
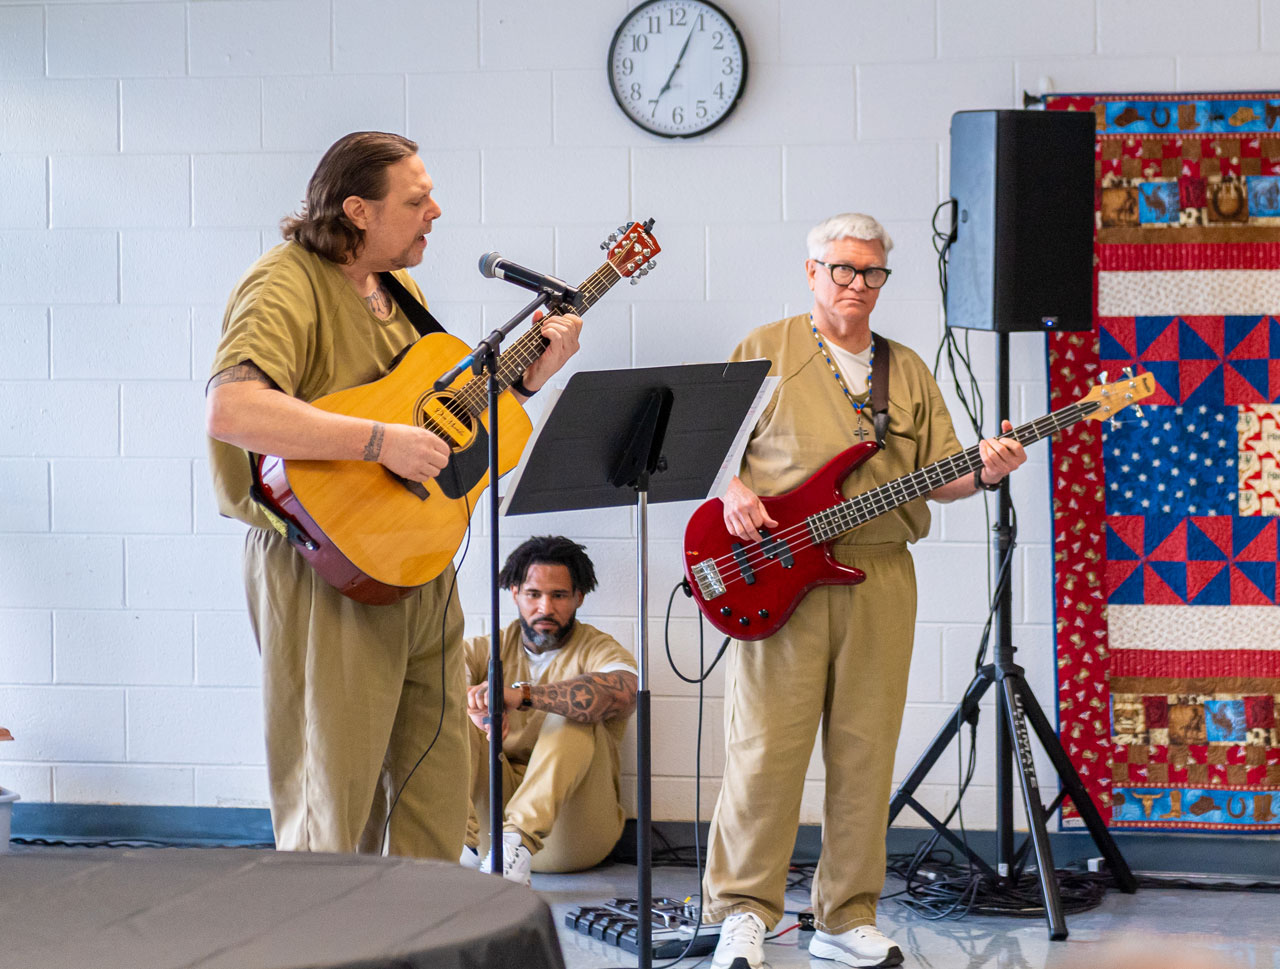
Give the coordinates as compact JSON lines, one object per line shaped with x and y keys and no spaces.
{"x":847,"y":225}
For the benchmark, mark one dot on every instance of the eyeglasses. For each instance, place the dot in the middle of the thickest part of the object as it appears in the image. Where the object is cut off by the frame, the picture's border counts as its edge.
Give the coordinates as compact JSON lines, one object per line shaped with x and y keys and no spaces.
{"x":842,"y":275}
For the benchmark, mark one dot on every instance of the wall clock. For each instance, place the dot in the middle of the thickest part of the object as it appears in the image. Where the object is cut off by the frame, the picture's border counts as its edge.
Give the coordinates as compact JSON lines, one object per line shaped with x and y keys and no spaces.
{"x":677,"y":67}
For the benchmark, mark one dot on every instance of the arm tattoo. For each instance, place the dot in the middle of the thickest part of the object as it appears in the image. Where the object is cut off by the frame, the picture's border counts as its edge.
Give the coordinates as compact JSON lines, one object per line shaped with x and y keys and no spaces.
{"x":373,"y":450}
{"x":240,"y":373}
{"x":589,"y":698}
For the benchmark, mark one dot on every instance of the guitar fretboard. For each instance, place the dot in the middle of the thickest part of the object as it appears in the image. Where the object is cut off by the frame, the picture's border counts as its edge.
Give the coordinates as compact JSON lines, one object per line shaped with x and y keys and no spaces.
{"x":839,"y":518}
{"x":473,"y":397}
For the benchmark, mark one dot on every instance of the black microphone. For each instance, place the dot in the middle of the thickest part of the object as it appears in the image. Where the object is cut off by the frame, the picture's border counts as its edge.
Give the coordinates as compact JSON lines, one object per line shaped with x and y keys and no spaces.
{"x":493,"y":265}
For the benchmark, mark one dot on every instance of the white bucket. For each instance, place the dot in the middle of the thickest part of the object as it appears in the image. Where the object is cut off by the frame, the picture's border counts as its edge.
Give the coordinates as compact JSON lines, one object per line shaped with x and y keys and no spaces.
{"x":6,"y":811}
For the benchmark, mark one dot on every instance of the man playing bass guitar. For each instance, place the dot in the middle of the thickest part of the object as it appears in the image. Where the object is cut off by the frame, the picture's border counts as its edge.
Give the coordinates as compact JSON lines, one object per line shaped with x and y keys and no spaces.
{"x":353,"y":693}
{"x":843,"y":656}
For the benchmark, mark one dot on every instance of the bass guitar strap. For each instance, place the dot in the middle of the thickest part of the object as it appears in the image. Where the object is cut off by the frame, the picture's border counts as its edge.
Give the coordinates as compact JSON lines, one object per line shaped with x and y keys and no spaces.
{"x":880,"y":386}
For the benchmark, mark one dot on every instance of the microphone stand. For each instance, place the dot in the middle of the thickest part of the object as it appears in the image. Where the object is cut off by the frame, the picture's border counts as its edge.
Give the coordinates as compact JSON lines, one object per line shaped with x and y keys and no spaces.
{"x":485,"y":358}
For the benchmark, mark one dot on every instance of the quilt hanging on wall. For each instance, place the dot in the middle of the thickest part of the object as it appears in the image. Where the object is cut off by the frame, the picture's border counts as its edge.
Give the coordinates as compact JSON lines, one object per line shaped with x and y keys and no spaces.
{"x":1165,"y":527}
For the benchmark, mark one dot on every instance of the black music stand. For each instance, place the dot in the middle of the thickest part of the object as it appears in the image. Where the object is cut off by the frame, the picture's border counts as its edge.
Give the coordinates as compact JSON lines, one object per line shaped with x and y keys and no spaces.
{"x":614,"y":437}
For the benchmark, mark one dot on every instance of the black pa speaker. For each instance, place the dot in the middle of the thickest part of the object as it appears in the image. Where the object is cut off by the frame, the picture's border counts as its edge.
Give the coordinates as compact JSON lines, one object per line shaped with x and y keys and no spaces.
{"x":1022,"y":258}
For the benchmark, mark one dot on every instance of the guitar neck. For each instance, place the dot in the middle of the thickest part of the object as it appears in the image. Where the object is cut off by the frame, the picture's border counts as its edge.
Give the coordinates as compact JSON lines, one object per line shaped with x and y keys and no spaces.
{"x":515,"y":359}
{"x":840,"y":518}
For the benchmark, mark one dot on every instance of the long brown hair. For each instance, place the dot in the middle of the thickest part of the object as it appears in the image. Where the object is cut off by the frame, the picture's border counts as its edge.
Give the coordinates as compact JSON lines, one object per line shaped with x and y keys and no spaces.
{"x":355,"y":164}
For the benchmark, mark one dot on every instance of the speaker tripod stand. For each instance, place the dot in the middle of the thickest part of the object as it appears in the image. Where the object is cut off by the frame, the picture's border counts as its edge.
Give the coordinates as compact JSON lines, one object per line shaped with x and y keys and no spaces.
{"x":1016,"y":707}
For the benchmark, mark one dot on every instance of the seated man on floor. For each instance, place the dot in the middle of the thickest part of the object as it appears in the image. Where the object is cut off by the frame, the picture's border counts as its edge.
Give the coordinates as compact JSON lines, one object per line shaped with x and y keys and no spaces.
{"x":573,"y":688}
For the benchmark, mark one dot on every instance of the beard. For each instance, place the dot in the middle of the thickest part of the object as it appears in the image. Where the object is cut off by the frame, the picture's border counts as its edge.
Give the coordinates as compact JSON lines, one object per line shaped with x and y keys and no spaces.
{"x":540,"y":640}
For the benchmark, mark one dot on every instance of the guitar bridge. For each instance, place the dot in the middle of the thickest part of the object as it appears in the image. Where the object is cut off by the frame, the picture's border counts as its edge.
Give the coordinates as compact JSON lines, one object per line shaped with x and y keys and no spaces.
{"x":710,"y":585}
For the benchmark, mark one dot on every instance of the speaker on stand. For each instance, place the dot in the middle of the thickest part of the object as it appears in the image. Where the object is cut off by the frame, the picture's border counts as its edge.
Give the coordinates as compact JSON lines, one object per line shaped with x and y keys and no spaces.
{"x":1020,"y":260}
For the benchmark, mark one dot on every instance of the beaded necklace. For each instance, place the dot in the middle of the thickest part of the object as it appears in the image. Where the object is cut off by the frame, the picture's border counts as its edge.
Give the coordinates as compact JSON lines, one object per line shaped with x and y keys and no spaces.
{"x":826,"y":354}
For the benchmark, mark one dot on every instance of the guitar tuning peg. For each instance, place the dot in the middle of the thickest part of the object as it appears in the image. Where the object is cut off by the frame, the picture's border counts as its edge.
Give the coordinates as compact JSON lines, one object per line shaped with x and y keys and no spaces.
{"x":1114,"y":422}
{"x":604,"y":245}
{"x":1128,"y":372}
{"x":647,"y":252}
{"x":1137,"y":410}
{"x":650,"y":264}
{"x":635,"y":280}
{"x":642,"y":271}
{"x":1103,"y":376}
{"x":621,"y":229}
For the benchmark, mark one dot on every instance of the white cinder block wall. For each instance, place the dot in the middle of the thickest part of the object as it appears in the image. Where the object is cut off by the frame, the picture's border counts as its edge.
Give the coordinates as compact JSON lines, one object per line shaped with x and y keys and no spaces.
{"x":148,"y":150}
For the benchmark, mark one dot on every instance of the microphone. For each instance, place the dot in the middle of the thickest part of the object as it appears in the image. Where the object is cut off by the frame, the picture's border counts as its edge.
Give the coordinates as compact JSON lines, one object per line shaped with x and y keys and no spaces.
{"x":493,"y":265}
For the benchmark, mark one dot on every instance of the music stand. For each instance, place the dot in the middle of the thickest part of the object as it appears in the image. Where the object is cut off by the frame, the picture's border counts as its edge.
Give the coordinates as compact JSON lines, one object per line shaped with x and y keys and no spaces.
{"x":660,"y":434}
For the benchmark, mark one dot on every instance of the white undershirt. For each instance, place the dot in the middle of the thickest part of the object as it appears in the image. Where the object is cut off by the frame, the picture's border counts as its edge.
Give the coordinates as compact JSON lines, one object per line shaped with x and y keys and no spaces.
{"x":853,"y":367}
{"x":538,"y":663}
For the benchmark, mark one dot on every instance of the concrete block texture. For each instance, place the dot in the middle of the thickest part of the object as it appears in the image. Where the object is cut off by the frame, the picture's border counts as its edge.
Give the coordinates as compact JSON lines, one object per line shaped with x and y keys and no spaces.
{"x":102,"y":39}
{"x":148,"y":151}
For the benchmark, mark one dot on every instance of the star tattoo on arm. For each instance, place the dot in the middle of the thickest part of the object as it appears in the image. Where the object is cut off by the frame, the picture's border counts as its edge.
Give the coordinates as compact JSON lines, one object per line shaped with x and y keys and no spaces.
{"x":589,"y":698}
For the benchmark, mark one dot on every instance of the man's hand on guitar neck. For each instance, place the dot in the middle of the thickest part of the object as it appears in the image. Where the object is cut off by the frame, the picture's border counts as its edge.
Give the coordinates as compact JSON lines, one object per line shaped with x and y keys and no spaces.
{"x":1000,"y":457}
{"x":561,"y":334}
{"x":744,"y":513}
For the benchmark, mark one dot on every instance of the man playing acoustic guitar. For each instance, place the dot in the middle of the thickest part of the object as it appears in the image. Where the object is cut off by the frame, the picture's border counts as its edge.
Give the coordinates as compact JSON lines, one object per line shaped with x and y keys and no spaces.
{"x":354,"y":694}
{"x":843,"y":656}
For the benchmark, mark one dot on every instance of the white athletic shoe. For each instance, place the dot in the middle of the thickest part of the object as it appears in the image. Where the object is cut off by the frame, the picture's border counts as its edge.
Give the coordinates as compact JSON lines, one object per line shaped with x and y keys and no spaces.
{"x":517,"y":860}
{"x":865,"y":946}
{"x":741,"y":944}
{"x":470,"y":858}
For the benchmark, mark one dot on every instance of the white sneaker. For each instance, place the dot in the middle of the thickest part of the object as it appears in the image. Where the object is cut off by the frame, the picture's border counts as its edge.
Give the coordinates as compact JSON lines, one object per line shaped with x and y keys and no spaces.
{"x":864,"y":946}
{"x":470,"y":858}
{"x":517,"y":860}
{"x":741,"y":944}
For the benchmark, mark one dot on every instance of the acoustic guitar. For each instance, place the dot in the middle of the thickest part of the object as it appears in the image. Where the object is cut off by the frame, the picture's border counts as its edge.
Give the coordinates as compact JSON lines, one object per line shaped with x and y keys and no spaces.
{"x":748,"y":590}
{"x":376,"y":536}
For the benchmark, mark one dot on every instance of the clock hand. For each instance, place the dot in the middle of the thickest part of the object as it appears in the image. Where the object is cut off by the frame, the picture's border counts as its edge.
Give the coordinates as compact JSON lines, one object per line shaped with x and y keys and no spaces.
{"x":679,"y":57}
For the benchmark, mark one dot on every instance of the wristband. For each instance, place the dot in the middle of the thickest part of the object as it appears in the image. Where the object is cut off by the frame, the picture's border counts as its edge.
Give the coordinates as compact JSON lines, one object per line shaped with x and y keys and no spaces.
{"x":981,"y":485}
{"x":518,"y":386}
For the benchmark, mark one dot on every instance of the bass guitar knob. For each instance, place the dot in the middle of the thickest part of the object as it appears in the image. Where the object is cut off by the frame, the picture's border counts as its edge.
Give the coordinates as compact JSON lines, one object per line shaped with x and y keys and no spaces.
{"x":726,"y":611}
{"x":744,"y":621}
{"x":763,"y":614}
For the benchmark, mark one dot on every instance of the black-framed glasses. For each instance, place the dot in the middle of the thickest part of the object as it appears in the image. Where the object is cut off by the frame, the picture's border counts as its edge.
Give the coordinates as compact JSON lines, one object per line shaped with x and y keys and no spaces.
{"x":842,"y":274}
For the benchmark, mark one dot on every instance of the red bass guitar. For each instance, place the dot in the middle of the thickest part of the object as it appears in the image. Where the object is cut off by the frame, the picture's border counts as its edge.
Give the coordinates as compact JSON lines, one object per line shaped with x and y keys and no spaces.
{"x":748,"y":590}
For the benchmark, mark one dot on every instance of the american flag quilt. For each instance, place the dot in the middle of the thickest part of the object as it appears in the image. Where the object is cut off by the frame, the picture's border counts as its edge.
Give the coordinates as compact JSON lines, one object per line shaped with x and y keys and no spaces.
{"x":1165,"y":526}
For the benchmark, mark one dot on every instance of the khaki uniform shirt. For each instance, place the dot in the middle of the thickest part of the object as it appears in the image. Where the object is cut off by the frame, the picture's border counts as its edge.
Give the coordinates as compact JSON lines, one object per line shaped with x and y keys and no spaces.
{"x":808,"y":421}
{"x":299,"y":320}
{"x":588,"y":650}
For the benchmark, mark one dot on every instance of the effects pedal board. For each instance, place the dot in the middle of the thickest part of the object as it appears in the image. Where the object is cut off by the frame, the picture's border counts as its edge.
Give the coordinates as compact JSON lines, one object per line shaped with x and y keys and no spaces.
{"x":674,"y":922}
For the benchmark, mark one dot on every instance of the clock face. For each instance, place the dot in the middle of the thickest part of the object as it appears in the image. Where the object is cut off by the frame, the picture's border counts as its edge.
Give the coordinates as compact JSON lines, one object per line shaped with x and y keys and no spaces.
{"x":677,"y":67}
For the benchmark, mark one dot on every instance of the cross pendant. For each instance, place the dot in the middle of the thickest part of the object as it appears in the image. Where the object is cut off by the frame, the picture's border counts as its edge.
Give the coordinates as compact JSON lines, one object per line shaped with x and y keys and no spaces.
{"x":860,"y":431}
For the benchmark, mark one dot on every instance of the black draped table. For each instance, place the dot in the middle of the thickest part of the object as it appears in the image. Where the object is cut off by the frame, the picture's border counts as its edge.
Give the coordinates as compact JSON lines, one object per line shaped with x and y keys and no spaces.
{"x":247,"y":909}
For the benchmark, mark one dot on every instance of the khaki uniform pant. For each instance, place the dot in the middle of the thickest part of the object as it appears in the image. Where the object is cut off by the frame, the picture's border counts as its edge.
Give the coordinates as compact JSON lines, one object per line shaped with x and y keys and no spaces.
{"x":353,"y":696}
{"x":565,"y":802}
{"x":843,"y":657}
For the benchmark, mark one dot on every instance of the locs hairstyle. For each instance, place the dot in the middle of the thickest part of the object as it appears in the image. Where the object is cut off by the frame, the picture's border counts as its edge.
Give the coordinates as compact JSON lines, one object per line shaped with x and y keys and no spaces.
{"x":549,"y":550}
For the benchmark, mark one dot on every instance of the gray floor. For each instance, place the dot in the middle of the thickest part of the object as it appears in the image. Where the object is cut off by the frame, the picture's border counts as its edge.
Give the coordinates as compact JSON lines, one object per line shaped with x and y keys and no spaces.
{"x":1155,"y":927}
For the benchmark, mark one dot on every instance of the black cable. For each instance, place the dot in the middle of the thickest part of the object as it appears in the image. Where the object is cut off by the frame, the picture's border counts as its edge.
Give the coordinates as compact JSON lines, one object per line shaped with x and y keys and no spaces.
{"x":444,"y":680}
{"x":666,"y":636}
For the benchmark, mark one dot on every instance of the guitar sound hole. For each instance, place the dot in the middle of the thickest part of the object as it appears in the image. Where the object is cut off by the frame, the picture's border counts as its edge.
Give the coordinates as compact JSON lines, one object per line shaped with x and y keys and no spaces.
{"x":444,"y":416}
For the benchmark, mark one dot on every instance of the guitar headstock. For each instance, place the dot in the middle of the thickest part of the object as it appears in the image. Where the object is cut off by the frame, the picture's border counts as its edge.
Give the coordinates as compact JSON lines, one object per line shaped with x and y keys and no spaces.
{"x":1115,"y":397}
{"x":631,"y":249}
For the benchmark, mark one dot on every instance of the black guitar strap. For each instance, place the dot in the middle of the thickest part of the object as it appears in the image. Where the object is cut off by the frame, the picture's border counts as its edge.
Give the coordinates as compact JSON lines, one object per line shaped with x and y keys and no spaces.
{"x":418,"y":314}
{"x":880,"y":386}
